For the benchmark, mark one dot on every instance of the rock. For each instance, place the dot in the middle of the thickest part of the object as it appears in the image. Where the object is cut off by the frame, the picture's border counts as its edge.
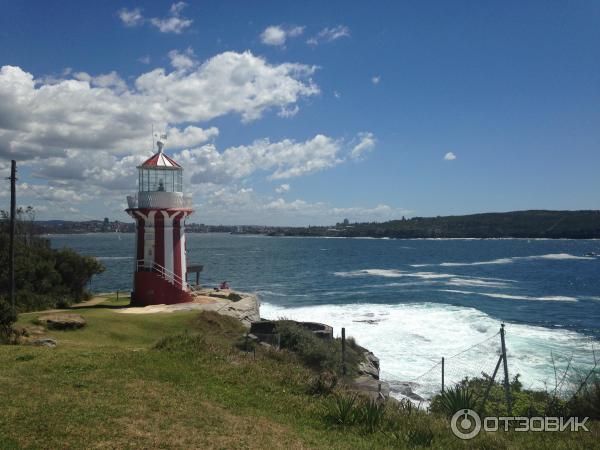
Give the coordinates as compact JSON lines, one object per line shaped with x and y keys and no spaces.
{"x":374,"y":388}
{"x":62,"y":321}
{"x":370,"y":365}
{"x":406,"y":389}
{"x":45,"y":342}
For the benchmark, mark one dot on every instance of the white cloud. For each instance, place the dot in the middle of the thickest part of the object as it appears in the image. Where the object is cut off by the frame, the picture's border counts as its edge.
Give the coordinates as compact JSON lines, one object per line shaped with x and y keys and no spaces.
{"x":329,"y":35}
{"x":233,"y":204}
{"x":277,"y":35}
{"x":279,"y":160}
{"x":449,"y":156}
{"x":173,"y":22}
{"x":131,"y":17}
{"x":144,"y":59}
{"x":366,"y":144}
{"x":283,"y":188}
{"x":94,"y":113}
{"x":182,"y":60}
{"x":376,"y":79}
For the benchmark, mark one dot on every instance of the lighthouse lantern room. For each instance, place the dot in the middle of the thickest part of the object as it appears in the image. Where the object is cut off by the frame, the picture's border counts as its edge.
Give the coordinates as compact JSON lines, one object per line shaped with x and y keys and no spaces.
{"x":159,"y":209}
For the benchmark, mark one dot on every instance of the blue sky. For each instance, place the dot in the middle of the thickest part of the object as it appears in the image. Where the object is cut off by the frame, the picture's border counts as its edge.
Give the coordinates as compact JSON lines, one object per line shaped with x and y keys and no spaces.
{"x":304,"y":112}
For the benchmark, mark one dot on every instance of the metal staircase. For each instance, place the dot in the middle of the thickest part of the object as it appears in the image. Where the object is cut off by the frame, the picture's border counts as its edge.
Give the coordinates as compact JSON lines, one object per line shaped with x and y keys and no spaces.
{"x":164,"y":273}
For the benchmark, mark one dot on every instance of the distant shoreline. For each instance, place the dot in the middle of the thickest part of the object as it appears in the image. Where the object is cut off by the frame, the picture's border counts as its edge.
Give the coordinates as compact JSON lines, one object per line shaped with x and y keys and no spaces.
{"x":534,"y":224}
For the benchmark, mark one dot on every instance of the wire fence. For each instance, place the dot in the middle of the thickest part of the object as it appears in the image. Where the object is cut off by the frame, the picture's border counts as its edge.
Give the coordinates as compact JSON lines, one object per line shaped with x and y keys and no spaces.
{"x":467,"y":363}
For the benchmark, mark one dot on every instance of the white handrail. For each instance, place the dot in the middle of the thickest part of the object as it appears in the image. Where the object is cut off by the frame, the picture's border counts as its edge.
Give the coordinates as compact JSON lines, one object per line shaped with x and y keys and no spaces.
{"x":165,"y":274}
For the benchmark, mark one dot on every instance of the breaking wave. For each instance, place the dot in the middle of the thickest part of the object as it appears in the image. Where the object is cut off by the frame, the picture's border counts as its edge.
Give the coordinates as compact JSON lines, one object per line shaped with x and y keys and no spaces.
{"x":548,"y":298}
{"x":411,"y":338}
{"x":551,"y":256}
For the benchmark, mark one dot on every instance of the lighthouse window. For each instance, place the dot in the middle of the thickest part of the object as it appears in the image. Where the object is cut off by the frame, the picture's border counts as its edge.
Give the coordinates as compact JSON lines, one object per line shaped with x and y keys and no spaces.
{"x":167,"y":180}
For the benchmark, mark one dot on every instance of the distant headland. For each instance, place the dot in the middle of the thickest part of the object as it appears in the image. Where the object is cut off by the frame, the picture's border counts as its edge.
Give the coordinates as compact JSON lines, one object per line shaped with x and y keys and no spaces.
{"x":532,"y":224}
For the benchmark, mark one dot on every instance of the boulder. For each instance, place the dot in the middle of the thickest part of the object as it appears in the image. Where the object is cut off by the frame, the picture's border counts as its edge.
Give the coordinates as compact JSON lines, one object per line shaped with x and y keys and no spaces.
{"x":369,"y":365}
{"x":45,"y":342}
{"x":62,"y":321}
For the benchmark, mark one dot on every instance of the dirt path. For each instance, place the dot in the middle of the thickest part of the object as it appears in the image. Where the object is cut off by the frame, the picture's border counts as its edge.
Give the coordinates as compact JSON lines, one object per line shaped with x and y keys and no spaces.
{"x":91,"y":302}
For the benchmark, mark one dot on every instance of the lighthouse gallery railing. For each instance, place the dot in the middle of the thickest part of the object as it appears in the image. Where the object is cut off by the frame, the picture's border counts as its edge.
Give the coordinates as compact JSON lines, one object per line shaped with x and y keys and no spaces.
{"x":167,"y":200}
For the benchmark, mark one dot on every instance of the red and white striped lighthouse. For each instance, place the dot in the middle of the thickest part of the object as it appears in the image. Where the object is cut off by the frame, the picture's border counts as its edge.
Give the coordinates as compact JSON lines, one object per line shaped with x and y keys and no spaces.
{"x":159,"y":209}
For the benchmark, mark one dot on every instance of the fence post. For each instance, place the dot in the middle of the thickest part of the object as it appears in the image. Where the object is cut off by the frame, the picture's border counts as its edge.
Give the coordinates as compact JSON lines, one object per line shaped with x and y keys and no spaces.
{"x":490,"y":384}
{"x":11,"y":242}
{"x":343,"y":351}
{"x":117,"y":295}
{"x":442,"y":374}
{"x":506,"y":379}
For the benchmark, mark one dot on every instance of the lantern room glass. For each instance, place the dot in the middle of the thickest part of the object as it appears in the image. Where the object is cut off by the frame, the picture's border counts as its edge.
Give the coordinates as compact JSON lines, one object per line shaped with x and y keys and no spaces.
{"x":160,"y":180}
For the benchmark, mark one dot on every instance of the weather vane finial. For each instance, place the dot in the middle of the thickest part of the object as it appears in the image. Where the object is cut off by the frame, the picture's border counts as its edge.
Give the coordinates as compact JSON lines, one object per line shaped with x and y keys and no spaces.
{"x":160,"y":141}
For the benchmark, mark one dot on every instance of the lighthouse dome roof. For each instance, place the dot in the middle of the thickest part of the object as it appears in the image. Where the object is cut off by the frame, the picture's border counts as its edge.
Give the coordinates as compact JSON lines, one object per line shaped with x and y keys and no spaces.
{"x":160,"y":160}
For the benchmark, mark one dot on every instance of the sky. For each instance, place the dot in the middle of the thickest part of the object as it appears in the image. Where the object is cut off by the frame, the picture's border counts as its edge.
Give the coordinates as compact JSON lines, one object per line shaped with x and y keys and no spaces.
{"x":303,"y":113}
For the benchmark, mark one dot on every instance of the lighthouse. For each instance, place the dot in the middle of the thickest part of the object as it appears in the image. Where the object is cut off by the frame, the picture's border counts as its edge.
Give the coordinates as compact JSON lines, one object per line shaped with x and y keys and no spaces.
{"x":160,"y":209}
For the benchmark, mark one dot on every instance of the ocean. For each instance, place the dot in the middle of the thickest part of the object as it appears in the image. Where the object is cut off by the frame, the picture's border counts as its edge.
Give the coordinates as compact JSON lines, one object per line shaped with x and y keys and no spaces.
{"x":411,"y":302}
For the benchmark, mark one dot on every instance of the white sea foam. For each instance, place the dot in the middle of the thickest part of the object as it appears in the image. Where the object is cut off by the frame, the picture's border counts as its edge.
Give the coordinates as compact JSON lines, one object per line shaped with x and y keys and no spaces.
{"x":430,"y":277}
{"x":548,"y":298}
{"x":410,"y":339}
{"x":551,"y":256}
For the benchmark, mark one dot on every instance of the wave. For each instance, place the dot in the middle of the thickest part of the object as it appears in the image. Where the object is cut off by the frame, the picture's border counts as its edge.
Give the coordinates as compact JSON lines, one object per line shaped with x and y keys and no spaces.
{"x":551,"y":256}
{"x":410,"y":338}
{"x":550,"y":298}
{"x":444,"y":278}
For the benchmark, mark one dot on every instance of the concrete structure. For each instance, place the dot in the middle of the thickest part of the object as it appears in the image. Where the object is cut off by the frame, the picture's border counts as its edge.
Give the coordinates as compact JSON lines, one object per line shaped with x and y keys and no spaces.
{"x":159,"y":209}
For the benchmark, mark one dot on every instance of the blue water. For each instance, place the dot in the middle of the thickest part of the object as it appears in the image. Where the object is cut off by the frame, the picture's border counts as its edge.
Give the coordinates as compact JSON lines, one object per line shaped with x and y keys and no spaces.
{"x":411,"y":301}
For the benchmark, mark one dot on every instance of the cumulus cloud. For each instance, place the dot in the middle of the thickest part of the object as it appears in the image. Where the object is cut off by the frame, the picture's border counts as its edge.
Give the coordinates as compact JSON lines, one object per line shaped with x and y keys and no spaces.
{"x":182,"y":60}
{"x":329,"y":35}
{"x":449,"y":156}
{"x":376,"y":79}
{"x":283,"y":188}
{"x":234,"y":205}
{"x":280,"y":160}
{"x":277,"y":35}
{"x":131,"y":17}
{"x":365,"y":144}
{"x":173,"y":22}
{"x":102,"y":113}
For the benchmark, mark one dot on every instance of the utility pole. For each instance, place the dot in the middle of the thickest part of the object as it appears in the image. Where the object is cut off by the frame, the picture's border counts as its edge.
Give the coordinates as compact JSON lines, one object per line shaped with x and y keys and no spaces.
{"x":11,"y":250}
{"x":506,"y":379}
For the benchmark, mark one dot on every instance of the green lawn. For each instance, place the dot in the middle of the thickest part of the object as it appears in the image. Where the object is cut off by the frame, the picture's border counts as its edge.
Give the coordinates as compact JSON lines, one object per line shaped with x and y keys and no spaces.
{"x":109,"y":386}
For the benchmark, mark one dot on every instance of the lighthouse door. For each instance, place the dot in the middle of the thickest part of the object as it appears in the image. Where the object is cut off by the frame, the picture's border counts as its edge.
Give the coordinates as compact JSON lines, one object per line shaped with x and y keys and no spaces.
{"x":149,"y":252}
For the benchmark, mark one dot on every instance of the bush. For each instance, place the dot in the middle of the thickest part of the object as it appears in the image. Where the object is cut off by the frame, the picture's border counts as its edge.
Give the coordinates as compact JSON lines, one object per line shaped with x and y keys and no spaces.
{"x":341,"y":410}
{"x":452,"y":400}
{"x":7,"y":318}
{"x":371,"y":413}
{"x":317,"y":353}
{"x":587,"y":402}
{"x":322,"y":384}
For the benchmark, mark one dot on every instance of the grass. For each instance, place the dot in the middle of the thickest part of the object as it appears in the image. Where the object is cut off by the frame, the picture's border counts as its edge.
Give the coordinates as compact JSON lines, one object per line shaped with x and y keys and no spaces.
{"x":178,"y":381}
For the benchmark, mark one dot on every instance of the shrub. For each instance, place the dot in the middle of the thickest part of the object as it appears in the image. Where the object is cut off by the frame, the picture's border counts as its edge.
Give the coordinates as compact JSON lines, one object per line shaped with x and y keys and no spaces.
{"x":7,"y":318}
{"x":323,"y":384}
{"x":317,"y":353}
{"x":452,"y":400}
{"x":371,"y":413}
{"x":587,"y":402}
{"x":341,"y":409}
